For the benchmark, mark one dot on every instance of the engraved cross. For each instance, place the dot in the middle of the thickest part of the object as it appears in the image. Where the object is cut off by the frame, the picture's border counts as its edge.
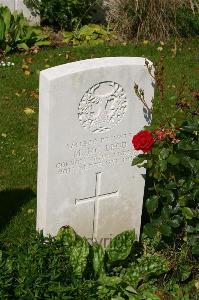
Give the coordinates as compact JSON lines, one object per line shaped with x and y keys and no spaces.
{"x":96,"y":198}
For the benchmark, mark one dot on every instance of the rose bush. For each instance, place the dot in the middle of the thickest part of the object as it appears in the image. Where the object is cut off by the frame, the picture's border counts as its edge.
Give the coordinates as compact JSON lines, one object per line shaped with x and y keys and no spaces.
{"x":171,"y":158}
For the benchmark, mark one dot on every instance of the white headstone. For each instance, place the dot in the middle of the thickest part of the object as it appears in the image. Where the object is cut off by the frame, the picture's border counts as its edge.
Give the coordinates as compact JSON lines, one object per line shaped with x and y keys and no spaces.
{"x":88,"y":115}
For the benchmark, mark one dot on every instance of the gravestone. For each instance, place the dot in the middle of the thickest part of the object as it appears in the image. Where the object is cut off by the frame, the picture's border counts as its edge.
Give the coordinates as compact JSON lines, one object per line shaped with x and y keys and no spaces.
{"x":88,"y":115}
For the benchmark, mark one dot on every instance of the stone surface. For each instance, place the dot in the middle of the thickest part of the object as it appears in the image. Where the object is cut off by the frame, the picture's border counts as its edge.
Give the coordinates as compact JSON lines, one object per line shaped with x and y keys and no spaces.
{"x":88,"y":115}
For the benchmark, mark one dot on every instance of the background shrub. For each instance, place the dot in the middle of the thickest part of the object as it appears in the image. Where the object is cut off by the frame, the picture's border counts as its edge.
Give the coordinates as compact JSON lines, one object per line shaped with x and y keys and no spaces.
{"x":63,"y":14}
{"x":153,"y":19}
{"x":17,"y":34}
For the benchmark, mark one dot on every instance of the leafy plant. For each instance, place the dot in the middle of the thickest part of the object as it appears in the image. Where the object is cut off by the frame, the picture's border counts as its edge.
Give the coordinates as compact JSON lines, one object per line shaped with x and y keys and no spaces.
{"x":89,"y":35}
{"x":172,"y":162}
{"x":61,"y":14}
{"x":16,"y":34}
{"x":67,"y":267}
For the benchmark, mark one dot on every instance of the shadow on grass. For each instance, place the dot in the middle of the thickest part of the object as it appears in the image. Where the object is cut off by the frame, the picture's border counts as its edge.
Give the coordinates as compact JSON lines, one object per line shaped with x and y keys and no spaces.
{"x":10,"y":203}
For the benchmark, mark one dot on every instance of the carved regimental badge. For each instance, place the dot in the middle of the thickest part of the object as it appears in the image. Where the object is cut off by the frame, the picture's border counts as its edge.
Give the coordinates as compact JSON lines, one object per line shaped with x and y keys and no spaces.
{"x":102,"y":106}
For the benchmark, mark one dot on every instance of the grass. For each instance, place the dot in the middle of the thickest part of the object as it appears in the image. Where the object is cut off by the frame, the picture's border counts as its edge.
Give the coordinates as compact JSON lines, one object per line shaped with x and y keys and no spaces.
{"x":18,"y":130}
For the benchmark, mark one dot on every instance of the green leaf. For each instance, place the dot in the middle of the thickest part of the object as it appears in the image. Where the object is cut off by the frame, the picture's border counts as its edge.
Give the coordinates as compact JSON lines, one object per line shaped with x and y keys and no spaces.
{"x":8,"y":49}
{"x":187,"y":212}
{"x":109,"y":280}
{"x":152,"y":204}
{"x":131,"y":289}
{"x":165,"y":213}
{"x":182,"y":200}
{"x":175,"y":222}
{"x":78,"y":257}
{"x":169,"y":195}
{"x":138,"y":160}
{"x":185,"y":272}
{"x":22,"y":46}
{"x":67,"y":235}
{"x":173,"y":160}
{"x":98,"y":259}
{"x":42,"y":43}
{"x":195,"y":249}
{"x":2,"y":29}
{"x":164,"y":153}
{"x":120,"y":246}
{"x":190,"y":126}
{"x":150,"y":230}
{"x":165,"y":230}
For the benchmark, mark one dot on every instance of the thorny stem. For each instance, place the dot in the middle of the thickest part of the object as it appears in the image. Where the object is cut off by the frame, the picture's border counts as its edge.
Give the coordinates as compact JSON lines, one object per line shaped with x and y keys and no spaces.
{"x":140,"y":95}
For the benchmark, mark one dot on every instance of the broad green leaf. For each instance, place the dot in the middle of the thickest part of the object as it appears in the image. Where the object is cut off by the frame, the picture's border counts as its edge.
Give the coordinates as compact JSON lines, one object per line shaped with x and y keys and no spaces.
{"x":67,"y":235}
{"x":98,"y":259}
{"x":164,"y":153}
{"x":175,"y":222}
{"x":189,"y":163}
{"x":78,"y":256}
{"x":150,"y":230}
{"x":7,"y":19}
{"x":185,"y":272}
{"x":22,"y":46}
{"x":2,"y":29}
{"x":120,"y":246}
{"x":138,"y":160}
{"x":187,"y":144}
{"x":8,"y":49}
{"x":188,"y":213}
{"x":173,"y":160}
{"x":131,"y":289}
{"x":165,"y":213}
{"x":165,"y":230}
{"x":109,"y":280}
{"x":195,"y":249}
{"x":169,"y":195}
{"x":152,"y":204}
{"x":182,"y":200}
{"x":42,"y":43}
{"x":190,"y":126}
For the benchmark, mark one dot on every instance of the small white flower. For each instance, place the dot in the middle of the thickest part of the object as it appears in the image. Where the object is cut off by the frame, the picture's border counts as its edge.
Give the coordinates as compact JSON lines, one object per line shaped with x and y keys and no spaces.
{"x":12,"y":64}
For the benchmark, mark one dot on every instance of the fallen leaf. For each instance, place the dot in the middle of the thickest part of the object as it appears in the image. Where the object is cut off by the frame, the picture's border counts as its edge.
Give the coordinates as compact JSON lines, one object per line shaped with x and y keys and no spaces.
{"x":13,"y":152}
{"x":145,"y":42}
{"x":4,"y":135}
{"x":159,"y":48}
{"x":28,"y":60}
{"x":30,"y":211}
{"x":25,"y":67}
{"x":47,"y":66}
{"x":29,"y":111}
{"x":27,"y":72}
{"x":17,"y":94}
{"x":34,"y":94}
{"x":67,"y":56}
{"x":197,"y":284}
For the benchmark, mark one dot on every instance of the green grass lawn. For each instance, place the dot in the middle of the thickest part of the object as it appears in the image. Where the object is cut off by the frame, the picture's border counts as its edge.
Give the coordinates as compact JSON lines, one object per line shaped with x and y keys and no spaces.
{"x":18,"y":130}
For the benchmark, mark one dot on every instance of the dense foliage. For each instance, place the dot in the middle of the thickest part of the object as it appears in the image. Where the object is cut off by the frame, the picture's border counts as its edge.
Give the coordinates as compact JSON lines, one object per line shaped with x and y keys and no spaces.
{"x":171,"y":157}
{"x":68,"y":267}
{"x":16,"y":33}
{"x":62,"y":14}
{"x":135,"y":19}
{"x":89,"y":35}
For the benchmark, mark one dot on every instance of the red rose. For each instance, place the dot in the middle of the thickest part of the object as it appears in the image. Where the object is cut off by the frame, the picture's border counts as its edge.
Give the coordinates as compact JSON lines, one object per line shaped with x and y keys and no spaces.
{"x":143,"y":140}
